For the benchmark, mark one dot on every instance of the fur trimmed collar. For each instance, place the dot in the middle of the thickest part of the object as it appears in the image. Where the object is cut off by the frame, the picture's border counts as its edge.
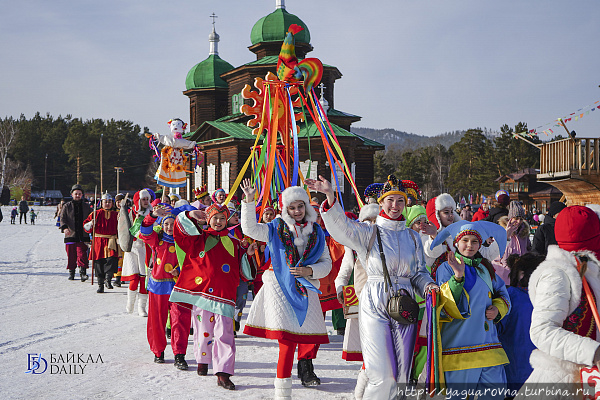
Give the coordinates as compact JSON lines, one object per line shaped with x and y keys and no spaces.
{"x":559,"y":259}
{"x":288,"y":196}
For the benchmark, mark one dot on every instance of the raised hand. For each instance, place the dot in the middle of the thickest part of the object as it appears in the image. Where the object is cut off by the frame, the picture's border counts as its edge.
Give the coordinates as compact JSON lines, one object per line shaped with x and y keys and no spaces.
{"x":198,"y":215}
{"x":512,"y":227}
{"x":429,"y":229}
{"x":249,"y":190}
{"x":161,"y":211}
{"x":457,"y":267}
{"x":322,"y":185}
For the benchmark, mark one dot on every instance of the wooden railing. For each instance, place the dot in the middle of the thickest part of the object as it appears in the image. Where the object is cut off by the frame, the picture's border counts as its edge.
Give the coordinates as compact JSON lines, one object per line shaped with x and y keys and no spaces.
{"x":564,"y":157}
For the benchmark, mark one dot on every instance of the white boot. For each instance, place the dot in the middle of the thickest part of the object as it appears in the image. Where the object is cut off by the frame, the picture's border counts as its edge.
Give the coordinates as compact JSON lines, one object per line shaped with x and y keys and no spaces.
{"x":283,"y":388}
{"x":142,"y":300}
{"x":131,"y":294}
{"x":361,"y":384}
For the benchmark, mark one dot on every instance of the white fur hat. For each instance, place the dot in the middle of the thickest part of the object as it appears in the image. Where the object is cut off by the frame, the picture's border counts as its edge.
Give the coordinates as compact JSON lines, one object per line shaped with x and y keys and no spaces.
{"x":288,"y":196}
{"x":368,"y":211}
{"x":442,"y":201}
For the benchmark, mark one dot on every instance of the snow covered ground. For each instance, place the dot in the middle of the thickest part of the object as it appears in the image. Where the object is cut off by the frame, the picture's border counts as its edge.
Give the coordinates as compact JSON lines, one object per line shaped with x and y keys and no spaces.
{"x":41,"y":312}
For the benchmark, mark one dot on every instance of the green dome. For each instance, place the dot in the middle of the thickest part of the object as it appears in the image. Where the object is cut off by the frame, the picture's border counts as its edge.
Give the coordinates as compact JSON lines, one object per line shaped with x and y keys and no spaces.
{"x":207,"y":74}
{"x":274,"y":26}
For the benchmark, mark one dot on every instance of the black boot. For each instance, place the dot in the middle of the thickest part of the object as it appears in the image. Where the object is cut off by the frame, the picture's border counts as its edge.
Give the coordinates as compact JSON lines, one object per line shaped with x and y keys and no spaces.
{"x":224,"y":381}
{"x":71,"y":274}
{"x":160,"y":359}
{"x":180,"y":362}
{"x":202,"y":369}
{"x":107,"y":282}
{"x":118,"y":281}
{"x":306,"y":373}
{"x":100,"y":284}
{"x":82,"y":274}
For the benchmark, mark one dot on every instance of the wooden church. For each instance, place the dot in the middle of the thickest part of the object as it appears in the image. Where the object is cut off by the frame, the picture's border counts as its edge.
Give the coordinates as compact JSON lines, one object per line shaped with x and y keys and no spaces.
{"x":214,"y":88}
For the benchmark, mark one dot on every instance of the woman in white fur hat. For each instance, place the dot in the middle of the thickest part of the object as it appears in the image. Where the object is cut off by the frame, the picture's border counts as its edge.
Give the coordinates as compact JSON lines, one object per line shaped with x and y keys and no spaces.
{"x":287,"y":307}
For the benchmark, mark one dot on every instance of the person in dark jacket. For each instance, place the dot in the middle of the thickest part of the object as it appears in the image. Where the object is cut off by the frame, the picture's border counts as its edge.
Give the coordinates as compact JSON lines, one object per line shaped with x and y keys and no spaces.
{"x":500,"y":209}
{"x":544,"y":236}
{"x":23,"y":209}
{"x":72,"y":216}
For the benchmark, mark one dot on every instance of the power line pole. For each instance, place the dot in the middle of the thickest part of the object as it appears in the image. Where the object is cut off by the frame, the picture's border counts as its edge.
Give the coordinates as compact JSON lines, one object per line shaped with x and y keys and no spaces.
{"x":101,"y":175}
{"x":45,"y":176}
{"x":121,"y":170}
{"x":78,"y":170}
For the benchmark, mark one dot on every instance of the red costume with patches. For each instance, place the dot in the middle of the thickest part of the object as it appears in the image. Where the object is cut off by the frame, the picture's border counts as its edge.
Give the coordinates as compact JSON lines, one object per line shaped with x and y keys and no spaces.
{"x":160,"y":285}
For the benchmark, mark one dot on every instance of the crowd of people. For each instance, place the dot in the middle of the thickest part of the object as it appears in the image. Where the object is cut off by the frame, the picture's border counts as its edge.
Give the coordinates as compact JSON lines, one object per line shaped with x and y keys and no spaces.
{"x":509,"y":312}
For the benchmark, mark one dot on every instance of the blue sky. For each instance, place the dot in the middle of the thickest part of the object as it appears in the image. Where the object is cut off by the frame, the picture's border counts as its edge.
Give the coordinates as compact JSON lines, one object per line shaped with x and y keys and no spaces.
{"x":424,"y":67}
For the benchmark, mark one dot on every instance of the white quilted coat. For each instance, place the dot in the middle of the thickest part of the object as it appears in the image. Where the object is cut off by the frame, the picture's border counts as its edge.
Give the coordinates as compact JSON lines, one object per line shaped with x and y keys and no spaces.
{"x":270,"y":310}
{"x":555,"y":289}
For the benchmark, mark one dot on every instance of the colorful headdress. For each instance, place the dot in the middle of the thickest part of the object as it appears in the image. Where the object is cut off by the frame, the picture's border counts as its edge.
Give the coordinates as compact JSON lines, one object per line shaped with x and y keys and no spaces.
{"x":392,"y":186}
{"x":174,"y":196}
{"x":414,"y":213}
{"x":412,"y":190}
{"x":200,"y":192}
{"x":501,"y":192}
{"x":373,"y":190}
{"x":481,"y":229}
{"x":214,"y":195}
{"x":216,"y":209}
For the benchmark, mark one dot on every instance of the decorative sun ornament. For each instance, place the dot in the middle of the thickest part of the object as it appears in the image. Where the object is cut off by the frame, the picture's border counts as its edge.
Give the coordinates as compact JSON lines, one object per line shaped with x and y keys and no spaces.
{"x":258,"y":96}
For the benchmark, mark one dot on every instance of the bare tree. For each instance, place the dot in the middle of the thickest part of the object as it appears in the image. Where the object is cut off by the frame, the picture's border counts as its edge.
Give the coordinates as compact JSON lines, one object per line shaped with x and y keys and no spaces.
{"x":8,"y":132}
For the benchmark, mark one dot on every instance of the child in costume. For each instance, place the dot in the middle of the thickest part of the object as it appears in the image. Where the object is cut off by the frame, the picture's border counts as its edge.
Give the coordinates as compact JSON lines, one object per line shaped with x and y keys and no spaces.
{"x":353,"y":272}
{"x":219,"y":196}
{"x":563,"y":326}
{"x":241,"y":297}
{"x":387,"y":346}
{"x":263,"y":252}
{"x":513,"y":330}
{"x":416,"y":219}
{"x":160,"y":285}
{"x":32,"y":216}
{"x":104,"y":255}
{"x":203,"y":200}
{"x":474,"y":301}
{"x":441,"y":212}
{"x":13,"y":215}
{"x":136,"y":260}
{"x":211,"y":266}
{"x":287,"y":306}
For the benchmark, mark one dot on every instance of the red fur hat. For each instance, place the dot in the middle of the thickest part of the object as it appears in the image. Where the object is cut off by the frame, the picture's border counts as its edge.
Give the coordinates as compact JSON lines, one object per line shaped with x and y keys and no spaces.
{"x":577,"y":228}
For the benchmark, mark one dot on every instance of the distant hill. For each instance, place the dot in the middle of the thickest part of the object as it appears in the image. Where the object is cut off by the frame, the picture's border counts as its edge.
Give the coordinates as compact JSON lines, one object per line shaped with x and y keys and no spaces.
{"x":399,"y":140}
